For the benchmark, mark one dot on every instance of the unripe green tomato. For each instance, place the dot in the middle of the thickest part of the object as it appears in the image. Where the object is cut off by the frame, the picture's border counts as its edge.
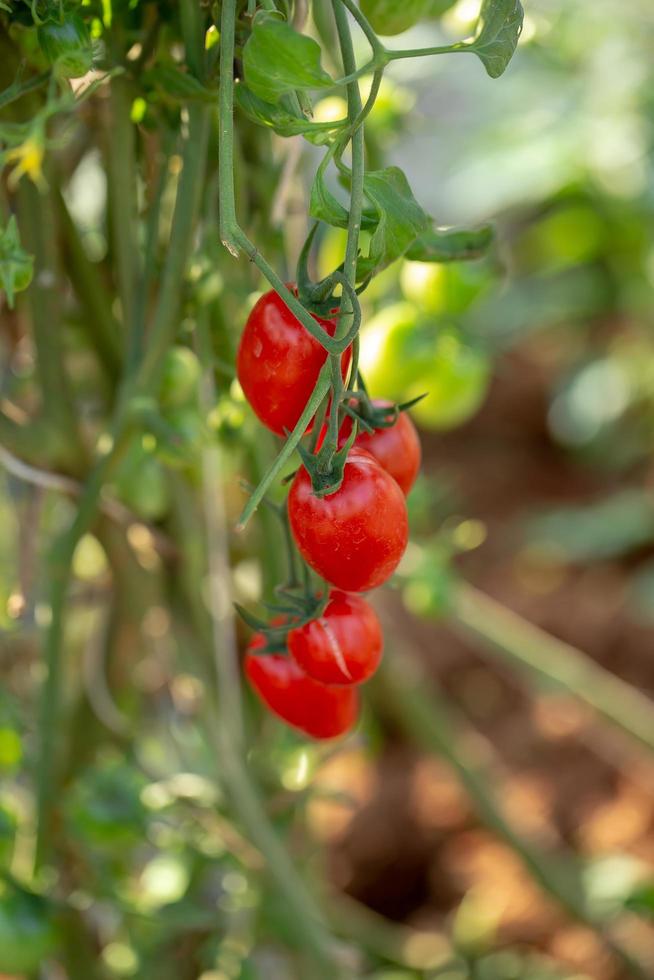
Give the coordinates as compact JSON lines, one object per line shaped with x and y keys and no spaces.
{"x":27,"y":934}
{"x":444,"y":287}
{"x":180,"y":377}
{"x":142,"y":484}
{"x":393,"y":16}
{"x":67,"y":46}
{"x":189,"y":432}
{"x":436,"y":8}
{"x":402,"y":358}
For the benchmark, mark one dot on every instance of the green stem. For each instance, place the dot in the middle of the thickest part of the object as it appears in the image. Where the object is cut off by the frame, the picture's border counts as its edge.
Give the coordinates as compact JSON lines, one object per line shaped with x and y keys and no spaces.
{"x":101,"y":326}
{"x":353,"y":227}
{"x":137,"y":332}
{"x":164,"y":326}
{"x":398,"y":55}
{"x":122,"y":197}
{"x":17,"y":88}
{"x":514,"y":639}
{"x":319,"y":392}
{"x":57,"y":404}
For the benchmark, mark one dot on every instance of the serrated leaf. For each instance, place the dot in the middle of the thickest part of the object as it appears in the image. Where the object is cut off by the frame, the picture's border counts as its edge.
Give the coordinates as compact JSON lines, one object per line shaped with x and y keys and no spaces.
{"x":440,"y":245}
{"x":498,"y":29}
{"x":400,"y":219}
{"x":278,"y":60}
{"x":280,"y":119}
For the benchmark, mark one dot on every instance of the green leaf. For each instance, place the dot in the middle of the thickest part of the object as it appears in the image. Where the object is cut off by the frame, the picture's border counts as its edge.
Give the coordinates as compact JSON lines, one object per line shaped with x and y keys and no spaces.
{"x":178,"y":85}
{"x":609,"y":528}
{"x":16,"y":266}
{"x":278,"y":60}
{"x":280,"y":119}
{"x":324,"y":206}
{"x":440,"y":245}
{"x":498,"y":29}
{"x":400,"y":219}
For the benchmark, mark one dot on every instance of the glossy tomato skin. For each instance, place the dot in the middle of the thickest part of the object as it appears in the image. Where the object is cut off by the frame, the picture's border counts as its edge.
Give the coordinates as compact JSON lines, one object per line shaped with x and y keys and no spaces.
{"x":356,"y":536}
{"x":315,"y":709}
{"x":396,"y":448}
{"x":343,"y":646}
{"x":278,"y":362}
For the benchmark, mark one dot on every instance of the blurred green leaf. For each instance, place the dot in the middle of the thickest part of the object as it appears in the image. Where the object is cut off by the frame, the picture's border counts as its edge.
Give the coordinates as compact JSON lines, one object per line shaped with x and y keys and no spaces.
{"x":180,"y":86}
{"x":596,"y":531}
{"x":278,"y":60}
{"x":440,"y":245}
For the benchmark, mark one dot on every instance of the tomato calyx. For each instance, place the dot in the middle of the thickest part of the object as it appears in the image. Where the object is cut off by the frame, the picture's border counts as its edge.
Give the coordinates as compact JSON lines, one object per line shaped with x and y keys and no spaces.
{"x":326,"y":467}
{"x":295,"y":609}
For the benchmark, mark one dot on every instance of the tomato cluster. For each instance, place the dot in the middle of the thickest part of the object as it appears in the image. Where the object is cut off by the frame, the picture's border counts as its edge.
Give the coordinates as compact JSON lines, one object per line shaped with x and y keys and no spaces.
{"x":353,"y":537}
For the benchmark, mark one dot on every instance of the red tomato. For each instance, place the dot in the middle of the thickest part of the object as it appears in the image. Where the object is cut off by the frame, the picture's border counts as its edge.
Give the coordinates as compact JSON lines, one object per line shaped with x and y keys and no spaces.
{"x":356,"y":536}
{"x":317,"y":710}
{"x":278,"y":362}
{"x":343,"y":646}
{"x":396,"y":449}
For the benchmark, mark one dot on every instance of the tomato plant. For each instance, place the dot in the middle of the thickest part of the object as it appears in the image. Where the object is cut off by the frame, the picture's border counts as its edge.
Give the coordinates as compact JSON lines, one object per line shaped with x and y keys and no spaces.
{"x":183,"y":239}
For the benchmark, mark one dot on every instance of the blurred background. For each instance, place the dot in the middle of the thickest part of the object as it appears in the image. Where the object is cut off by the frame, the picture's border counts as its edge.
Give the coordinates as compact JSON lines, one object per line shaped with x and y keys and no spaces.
{"x":485,"y":822}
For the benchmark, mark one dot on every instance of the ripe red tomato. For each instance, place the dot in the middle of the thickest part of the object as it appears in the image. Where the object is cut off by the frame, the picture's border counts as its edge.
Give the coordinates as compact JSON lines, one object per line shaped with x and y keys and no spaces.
{"x":343,"y":646}
{"x":278,"y":362}
{"x":356,"y":536}
{"x":396,"y":448}
{"x":300,"y":701}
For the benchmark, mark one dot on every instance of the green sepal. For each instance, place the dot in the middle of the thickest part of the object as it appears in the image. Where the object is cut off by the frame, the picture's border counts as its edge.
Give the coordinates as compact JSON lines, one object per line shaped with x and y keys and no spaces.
{"x":326,"y":473}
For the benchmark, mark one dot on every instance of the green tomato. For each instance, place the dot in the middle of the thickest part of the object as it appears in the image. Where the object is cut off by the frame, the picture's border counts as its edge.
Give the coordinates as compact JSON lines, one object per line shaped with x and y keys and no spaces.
{"x":142,"y":484}
{"x":436,"y":8}
{"x":444,"y":288}
{"x":393,"y":16}
{"x":27,"y":934}
{"x":67,"y":46}
{"x":403,"y":357}
{"x":180,"y":377}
